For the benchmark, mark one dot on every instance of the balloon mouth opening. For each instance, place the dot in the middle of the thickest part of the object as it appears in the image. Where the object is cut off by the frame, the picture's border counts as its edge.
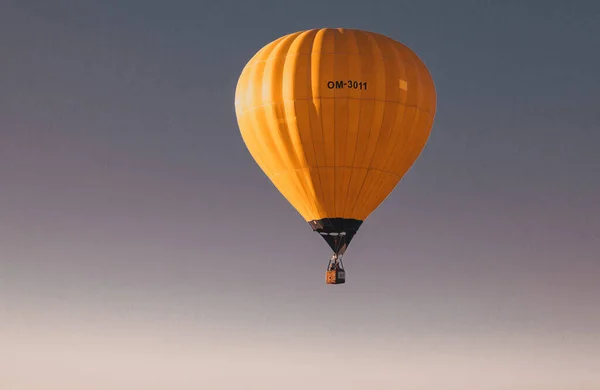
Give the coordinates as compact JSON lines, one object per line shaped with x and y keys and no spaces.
{"x":337,"y":232}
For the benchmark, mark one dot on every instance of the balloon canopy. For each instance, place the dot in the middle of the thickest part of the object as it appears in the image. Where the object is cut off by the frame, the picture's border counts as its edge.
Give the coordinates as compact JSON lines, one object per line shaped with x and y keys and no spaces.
{"x":335,"y":118}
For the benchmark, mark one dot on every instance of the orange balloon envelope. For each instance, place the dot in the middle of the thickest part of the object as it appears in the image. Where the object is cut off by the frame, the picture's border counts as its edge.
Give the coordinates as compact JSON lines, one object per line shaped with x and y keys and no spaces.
{"x":335,"y":118}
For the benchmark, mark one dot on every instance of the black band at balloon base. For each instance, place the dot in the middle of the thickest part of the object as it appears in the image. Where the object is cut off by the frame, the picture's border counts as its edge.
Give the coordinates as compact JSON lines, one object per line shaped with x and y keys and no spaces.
{"x":337,"y":232}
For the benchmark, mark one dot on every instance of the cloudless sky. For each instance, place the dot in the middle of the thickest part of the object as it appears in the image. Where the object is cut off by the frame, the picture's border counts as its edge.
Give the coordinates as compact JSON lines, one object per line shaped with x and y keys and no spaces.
{"x":142,"y":248}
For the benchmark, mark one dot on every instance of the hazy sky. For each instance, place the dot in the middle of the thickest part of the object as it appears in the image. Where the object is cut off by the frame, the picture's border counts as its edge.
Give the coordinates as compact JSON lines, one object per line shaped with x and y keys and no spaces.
{"x":142,"y":248}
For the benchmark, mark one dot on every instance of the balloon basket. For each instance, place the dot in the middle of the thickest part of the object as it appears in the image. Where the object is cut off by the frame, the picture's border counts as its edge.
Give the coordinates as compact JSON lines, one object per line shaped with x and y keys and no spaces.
{"x":335,"y":273}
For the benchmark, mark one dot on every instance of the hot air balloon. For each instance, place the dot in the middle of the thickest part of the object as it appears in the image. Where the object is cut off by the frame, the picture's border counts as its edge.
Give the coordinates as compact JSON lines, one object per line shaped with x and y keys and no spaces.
{"x":335,"y":118}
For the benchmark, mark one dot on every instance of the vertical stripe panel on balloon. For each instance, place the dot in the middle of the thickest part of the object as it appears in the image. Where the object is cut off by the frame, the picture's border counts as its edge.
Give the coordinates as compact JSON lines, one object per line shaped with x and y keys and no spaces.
{"x":246,"y":89}
{"x":243,"y":116}
{"x":369,"y":74}
{"x":342,"y":59}
{"x":274,"y":109}
{"x":399,"y":74}
{"x":314,"y":130}
{"x":296,"y":94}
{"x":258,"y":143}
{"x":388,"y":132}
{"x":363,"y":125}
{"x":372,"y":196}
{"x":411,"y":100}
{"x":277,"y":122}
{"x":257,"y":116}
{"x":404,"y":159}
{"x":354,"y":103}
{"x":380,"y":87}
{"x":316,"y":127}
{"x":376,"y":123}
{"x":326,"y":113}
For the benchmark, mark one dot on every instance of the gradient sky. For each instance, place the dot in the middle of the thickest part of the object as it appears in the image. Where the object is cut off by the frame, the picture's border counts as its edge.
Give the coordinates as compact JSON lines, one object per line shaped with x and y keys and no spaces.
{"x":142,"y":248}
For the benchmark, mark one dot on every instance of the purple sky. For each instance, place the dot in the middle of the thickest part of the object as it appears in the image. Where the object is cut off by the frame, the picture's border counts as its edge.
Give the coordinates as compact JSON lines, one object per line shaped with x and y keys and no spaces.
{"x":141,"y":246}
